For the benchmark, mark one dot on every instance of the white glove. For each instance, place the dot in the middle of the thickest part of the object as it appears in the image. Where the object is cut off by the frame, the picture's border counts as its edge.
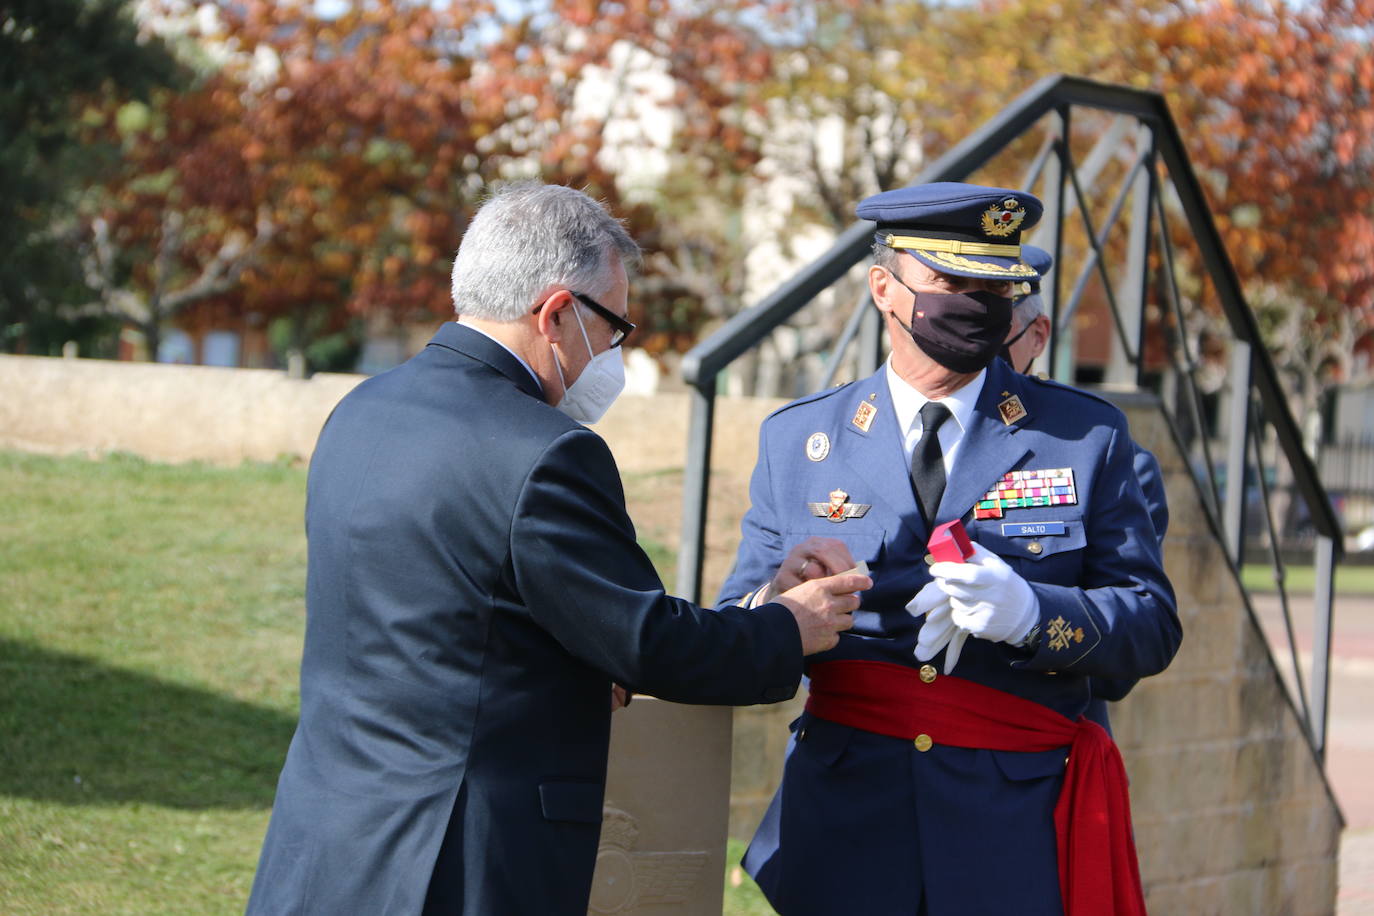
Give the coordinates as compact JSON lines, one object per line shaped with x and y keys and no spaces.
{"x":939,"y":630}
{"x":987,"y":597}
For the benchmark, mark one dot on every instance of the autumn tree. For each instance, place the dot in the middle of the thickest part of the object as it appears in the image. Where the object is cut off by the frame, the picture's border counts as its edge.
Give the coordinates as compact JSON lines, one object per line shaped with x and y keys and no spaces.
{"x":56,"y":58}
{"x":1276,"y":103}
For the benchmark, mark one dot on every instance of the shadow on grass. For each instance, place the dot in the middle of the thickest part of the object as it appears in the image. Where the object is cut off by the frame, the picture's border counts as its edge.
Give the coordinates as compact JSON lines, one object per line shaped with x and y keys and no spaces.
{"x":79,"y":732}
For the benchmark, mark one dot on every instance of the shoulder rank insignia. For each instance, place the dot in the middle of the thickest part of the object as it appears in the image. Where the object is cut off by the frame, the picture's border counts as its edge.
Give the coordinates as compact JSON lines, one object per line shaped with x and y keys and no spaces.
{"x":818,"y":446}
{"x":863,"y":416}
{"x":1027,"y":490}
{"x":1011,"y":410}
{"x":837,"y":510}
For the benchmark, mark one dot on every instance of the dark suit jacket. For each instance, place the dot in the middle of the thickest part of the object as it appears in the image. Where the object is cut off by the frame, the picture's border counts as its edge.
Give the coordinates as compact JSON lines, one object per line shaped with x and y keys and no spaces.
{"x":474,"y":587}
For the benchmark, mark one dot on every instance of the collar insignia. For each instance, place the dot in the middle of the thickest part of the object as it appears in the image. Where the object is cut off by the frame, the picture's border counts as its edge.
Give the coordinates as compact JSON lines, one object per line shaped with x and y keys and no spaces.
{"x":863,"y":416}
{"x":1011,"y":410}
{"x":838,"y":509}
{"x":1001,"y":220}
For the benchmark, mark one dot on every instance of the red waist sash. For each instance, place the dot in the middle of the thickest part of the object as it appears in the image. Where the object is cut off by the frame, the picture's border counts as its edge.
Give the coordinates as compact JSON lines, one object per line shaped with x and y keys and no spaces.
{"x":1098,"y":871}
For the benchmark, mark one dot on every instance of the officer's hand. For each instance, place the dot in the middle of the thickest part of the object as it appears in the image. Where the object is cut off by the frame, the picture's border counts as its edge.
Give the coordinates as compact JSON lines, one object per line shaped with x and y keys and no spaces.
{"x":813,"y":558}
{"x":987,"y":597}
{"x":939,"y":630}
{"x":823,"y":608}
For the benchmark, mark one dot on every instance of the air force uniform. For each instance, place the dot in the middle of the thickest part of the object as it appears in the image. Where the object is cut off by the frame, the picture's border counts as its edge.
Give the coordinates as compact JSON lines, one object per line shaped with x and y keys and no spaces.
{"x":1042,"y":475}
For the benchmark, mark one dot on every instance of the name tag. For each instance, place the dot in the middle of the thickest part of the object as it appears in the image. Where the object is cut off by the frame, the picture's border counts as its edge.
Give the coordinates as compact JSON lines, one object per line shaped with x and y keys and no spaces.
{"x":1032,"y":529}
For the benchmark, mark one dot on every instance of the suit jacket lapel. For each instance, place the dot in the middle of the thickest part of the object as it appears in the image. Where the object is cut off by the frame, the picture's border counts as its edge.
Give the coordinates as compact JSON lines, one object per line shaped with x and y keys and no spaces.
{"x":875,"y":455}
{"x":989,"y":447}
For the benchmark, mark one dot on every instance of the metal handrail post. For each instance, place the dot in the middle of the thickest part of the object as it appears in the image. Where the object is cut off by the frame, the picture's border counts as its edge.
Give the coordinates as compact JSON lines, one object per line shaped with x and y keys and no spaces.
{"x":1055,"y":173}
{"x":1135,"y":283}
{"x":1237,"y":431}
{"x":1322,"y":618}
{"x":695,"y":477}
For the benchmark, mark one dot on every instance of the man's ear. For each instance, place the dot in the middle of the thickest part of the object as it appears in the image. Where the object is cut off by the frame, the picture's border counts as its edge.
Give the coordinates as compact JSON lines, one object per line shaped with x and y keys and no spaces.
{"x":549,"y":318}
{"x":880,"y":285}
{"x":1040,"y":334}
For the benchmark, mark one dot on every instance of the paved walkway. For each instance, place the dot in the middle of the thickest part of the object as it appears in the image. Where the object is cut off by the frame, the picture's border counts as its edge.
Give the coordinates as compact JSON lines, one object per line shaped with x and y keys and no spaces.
{"x":1350,"y":736}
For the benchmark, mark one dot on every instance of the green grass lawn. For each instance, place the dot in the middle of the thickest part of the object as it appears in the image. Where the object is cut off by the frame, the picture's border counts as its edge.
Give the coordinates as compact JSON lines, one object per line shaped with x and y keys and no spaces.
{"x":1350,"y":580}
{"x":150,"y":635}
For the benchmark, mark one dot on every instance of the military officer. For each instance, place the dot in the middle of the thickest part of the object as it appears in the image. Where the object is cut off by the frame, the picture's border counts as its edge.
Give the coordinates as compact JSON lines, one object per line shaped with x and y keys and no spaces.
{"x":930,"y":770}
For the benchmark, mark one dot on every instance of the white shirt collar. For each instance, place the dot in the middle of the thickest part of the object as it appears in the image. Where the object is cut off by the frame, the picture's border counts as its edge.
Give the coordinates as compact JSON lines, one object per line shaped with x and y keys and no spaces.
{"x":907,"y":401}
{"x":517,"y":356}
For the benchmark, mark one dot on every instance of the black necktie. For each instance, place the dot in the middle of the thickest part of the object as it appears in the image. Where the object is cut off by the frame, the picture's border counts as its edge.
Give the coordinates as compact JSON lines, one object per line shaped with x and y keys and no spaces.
{"x":928,"y":461}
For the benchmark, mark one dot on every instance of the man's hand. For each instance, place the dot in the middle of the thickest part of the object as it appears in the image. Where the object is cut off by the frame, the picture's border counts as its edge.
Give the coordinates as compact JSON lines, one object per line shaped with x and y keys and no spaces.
{"x":620,"y":697}
{"x":824,"y":607}
{"x":987,"y":597}
{"x":813,"y":558}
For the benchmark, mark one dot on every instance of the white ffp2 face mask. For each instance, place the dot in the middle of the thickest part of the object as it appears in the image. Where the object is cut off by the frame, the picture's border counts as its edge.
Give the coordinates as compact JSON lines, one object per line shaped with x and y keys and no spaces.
{"x":600,"y":383}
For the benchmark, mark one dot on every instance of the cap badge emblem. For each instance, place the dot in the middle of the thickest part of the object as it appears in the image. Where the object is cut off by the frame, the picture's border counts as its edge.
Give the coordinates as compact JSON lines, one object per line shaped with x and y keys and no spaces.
{"x":1003,"y":219}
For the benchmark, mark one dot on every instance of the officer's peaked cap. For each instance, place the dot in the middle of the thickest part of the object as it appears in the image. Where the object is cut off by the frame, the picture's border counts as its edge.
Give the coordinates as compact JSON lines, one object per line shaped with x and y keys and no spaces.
{"x":962,"y":229}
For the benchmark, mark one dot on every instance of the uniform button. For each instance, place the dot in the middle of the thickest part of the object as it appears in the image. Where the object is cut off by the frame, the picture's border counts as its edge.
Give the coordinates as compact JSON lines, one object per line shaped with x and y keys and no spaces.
{"x":923,"y":743}
{"x":927,"y":674}
{"x":801,"y":735}
{"x":930,"y":560}
{"x":1035,"y":547}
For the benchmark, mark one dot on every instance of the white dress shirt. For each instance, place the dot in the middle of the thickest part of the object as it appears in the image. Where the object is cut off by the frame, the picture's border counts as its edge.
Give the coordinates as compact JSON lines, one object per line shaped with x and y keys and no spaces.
{"x":907,"y":402}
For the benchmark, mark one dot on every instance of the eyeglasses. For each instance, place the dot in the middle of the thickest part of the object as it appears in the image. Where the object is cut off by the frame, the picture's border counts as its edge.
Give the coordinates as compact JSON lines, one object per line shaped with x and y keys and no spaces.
{"x":621,"y":329}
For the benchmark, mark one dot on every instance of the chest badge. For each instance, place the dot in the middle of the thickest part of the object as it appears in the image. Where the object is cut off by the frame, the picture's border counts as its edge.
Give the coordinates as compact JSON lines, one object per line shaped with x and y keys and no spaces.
{"x":863,"y":416}
{"x":839,"y":508}
{"x":1011,"y":410}
{"x":1028,"y":490}
{"x":818,"y":446}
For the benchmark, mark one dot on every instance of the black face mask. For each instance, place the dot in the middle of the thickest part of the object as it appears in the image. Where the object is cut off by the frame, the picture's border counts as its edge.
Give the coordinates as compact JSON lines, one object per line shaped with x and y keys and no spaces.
{"x":961,"y":331}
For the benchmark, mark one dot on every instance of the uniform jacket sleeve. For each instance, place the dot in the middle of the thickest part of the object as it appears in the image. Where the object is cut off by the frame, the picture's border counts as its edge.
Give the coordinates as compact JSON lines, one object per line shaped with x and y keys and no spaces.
{"x":1121,"y":620}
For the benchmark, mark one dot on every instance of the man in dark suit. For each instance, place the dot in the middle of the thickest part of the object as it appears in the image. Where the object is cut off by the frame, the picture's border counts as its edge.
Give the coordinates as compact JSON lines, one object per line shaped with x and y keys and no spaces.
{"x":475,"y":589}
{"x":943,"y":764}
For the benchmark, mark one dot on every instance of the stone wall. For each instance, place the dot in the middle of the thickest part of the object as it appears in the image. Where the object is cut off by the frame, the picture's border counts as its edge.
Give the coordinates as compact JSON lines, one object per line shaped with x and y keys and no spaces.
{"x":1232,"y":812}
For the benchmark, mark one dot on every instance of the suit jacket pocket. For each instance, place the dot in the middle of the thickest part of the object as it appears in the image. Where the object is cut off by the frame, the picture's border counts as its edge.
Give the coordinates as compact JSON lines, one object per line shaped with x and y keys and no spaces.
{"x":572,"y":801}
{"x":1022,"y":765}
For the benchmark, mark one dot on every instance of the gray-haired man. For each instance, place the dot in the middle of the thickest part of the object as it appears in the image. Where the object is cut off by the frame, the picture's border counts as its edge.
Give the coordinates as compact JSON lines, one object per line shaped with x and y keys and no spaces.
{"x":475,"y":588}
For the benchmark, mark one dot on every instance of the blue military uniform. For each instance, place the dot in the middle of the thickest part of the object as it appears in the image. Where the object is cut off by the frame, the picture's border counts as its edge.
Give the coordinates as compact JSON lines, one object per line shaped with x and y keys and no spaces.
{"x":866,"y":823}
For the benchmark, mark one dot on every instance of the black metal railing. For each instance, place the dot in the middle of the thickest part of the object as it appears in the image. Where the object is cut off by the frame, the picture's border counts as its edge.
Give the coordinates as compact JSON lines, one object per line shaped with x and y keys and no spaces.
{"x":1210,"y":401}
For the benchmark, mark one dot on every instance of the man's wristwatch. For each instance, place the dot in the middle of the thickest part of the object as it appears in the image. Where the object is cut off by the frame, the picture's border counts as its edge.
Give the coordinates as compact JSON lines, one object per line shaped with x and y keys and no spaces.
{"x":1032,"y":640}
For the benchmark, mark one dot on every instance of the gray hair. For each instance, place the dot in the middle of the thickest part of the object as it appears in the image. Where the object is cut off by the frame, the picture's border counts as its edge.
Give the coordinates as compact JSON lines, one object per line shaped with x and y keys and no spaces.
{"x":884,"y":256}
{"x":1026,"y":309}
{"x":527,"y":237}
